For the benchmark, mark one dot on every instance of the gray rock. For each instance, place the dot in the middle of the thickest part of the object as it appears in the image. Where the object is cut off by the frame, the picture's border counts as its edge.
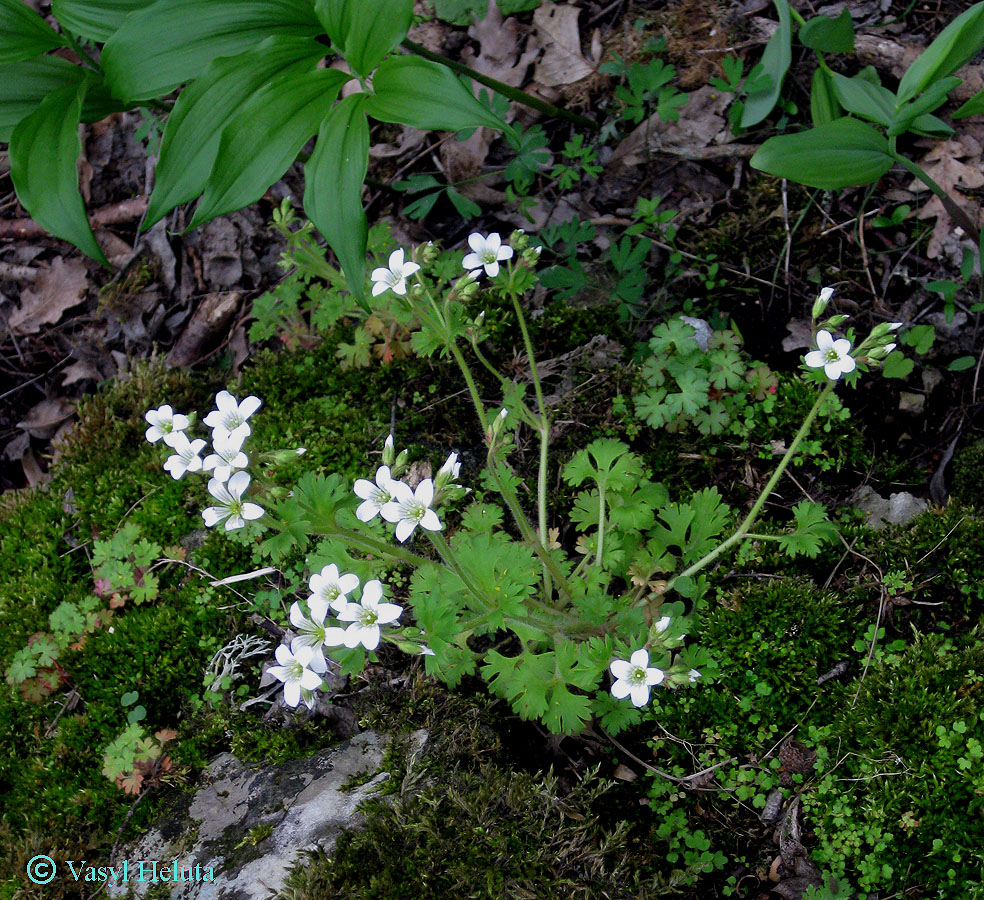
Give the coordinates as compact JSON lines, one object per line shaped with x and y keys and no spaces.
{"x":245,"y":828}
{"x":896,"y":510}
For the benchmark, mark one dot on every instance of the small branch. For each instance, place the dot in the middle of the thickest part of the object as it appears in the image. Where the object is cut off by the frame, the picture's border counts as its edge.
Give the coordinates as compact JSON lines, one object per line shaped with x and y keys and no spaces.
{"x":114,"y":214}
{"x":684,"y":781}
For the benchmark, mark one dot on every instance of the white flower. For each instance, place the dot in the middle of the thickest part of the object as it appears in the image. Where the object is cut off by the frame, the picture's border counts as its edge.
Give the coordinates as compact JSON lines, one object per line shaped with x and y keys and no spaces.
{"x":230,"y":508}
{"x":662,"y":624}
{"x":230,"y":416}
{"x":694,"y":675}
{"x":227,"y":455}
{"x":185,"y":457}
{"x":834,"y":357}
{"x":451,"y":467}
{"x":376,"y":496}
{"x":165,"y":423}
{"x":411,"y":508}
{"x":635,"y":677}
{"x":393,"y":278}
{"x":367,"y":615}
{"x":820,"y":304}
{"x":487,"y":253}
{"x":295,"y":673}
{"x":311,"y":634}
{"x":329,"y":588}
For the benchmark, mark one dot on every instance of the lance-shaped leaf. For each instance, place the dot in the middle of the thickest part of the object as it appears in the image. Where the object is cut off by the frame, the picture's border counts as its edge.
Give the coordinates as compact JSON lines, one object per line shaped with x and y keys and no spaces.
{"x":426,"y":95}
{"x":23,"y":85}
{"x":24,"y":33}
{"x":775,"y":63}
{"x":842,"y":153}
{"x":266,"y":135}
{"x":160,"y":47}
{"x":824,"y":107}
{"x":333,"y":179}
{"x":365,"y":31}
{"x":961,"y":40}
{"x":44,"y":149}
{"x":862,"y":97}
{"x":96,"y":20}
{"x":829,"y":35}
{"x":194,"y":129}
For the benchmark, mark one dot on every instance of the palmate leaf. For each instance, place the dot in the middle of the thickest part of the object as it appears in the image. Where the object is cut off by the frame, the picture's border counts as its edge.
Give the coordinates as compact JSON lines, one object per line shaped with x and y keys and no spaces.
{"x":43,"y":152}
{"x":24,"y":33}
{"x":813,"y":530}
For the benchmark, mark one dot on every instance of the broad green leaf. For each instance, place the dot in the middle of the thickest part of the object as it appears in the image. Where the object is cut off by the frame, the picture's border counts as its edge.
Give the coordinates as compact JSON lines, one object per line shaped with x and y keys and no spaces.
{"x":960,"y":41}
{"x":930,"y":100}
{"x":96,"y":20}
{"x":24,"y":33}
{"x":973,"y":107}
{"x":829,"y":35}
{"x":194,"y":128}
{"x":824,"y":107}
{"x":426,"y":95}
{"x":367,"y":30}
{"x":775,"y":62}
{"x":859,"y":96}
{"x":961,"y":363}
{"x":173,"y":41}
{"x":928,"y":125}
{"x":333,"y":188}
{"x":265,"y":136}
{"x":842,"y":153}
{"x":44,"y":149}
{"x":897,"y":365}
{"x":23,"y":85}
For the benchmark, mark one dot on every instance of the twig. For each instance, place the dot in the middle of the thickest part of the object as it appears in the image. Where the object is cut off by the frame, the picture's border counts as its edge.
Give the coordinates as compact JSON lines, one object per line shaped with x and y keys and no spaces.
{"x":17,"y":273}
{"x":114,"y":214}
{"x":684,"y":781}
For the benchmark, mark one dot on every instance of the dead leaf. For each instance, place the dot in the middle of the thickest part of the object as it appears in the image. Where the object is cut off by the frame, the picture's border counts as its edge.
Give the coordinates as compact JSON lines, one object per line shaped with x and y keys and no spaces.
{"x":800,"y":335}
{"x":499,"y":43}
{"x":59,"y":287}
{"x":80,"y":370}
{"x":943,"y":165}
{"x":32,"y":469}
{"x":563,"y":62}
{"x":205,"y":328}
{"x":43,"y":420}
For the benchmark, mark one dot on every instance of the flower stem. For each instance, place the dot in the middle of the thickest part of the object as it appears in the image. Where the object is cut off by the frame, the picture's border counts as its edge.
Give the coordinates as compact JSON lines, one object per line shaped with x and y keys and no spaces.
{"x":370,"y":544}
{"x":472,"y":387}
{"x":505,"y":89}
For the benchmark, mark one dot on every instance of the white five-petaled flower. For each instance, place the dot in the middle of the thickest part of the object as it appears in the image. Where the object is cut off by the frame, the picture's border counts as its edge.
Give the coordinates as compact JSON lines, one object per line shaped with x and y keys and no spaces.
{"x":295,"y":672}
{"x":310,"y":633}
{"x":487,"y":253}
{"x":376,"y":496}
{"x":411,"y":508}
{"x":834,"y":357}
{"x":635,"y":677}
{"x":227,"y":456}
{"x":230,"y":507}
{"x":165,"y":423}
{"x":330,"y":589}
{"x":394,"y":277}
{"x":366,"y":616}
{"x":185,"y":458}
{"x":229,"y":417}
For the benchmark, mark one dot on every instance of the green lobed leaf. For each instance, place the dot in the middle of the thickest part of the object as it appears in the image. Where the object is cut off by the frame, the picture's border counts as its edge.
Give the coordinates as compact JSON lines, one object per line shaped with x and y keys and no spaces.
{"x":426,"y":95}
{"x":842,"y":153}
{"x":173,"y":41}
{"x":194,"y":128}
{"x":827,"y":34}
{"x":23,"y":85}
{"x":24,"y":33}
{"x":813,"y":530}
{"x":44,"y":149}
{"x":775,"y":63}
{"x":333,"y":188}
{"x":265,"y":136}
{"x":367,"y":30}
{"x":956,"y":44}
{"x":96,"y":20}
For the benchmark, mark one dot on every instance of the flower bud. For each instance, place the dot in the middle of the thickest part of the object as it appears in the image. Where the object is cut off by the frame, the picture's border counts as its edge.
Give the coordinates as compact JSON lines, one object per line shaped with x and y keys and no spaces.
{"x":399,"y":465}
{"x":877,"y":353}
{"x":426,"y":253}
{"x":834,"y":322}
{"x":519,"y":240}
{"x":882,"y":329}
{"x":388,"y":451}
{"x":282,"y":457}
{"x":448,"y":472}
{"x":496,"y":425}
{"x":820,"y":304}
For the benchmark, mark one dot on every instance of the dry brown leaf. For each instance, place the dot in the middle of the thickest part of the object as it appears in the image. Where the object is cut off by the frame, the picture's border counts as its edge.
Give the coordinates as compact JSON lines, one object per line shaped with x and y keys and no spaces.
{"x":499,"y":45}
{"x":943,"y":165}
{"x":43,"y":420}
{"x":32,"y":469}
{"x":563,"y":62}
{"x":80,"y":370}
{"x":59,"y":287}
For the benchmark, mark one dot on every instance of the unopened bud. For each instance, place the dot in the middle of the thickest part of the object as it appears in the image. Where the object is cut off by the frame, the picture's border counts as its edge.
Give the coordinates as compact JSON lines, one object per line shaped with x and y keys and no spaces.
{"x":497,"y":424}
{"x":820,"y":304}
{"x":519,"y":240}
{"x":835,"y":322}
{"x":880,"y":352}
{"x":388,"y":451}
{"x":448,"y":472}
{"x":426,"y":253}
{"x":884,"y":328}
{"x":399,"y":465}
